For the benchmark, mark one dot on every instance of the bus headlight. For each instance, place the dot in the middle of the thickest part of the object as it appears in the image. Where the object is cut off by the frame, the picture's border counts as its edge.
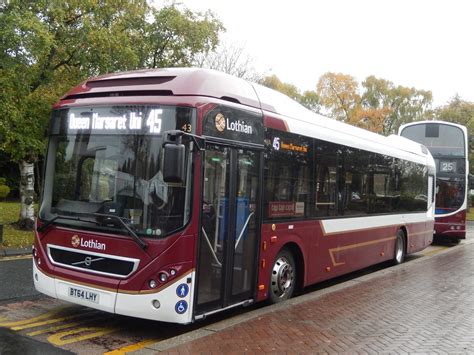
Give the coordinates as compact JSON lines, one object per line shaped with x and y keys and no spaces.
{"x":163,"y":277}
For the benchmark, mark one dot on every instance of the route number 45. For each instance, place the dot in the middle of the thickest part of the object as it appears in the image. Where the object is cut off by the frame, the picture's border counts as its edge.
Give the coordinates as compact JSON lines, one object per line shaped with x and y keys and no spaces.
{"x":154,"y":121}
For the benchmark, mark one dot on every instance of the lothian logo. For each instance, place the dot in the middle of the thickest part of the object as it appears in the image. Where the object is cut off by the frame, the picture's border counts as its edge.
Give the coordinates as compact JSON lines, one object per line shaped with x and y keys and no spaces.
{"x":76,"y":241}
{"x":220,"y":122}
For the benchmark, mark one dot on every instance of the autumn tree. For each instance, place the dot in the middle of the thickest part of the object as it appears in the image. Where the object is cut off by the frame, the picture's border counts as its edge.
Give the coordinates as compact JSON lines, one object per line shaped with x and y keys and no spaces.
{"x":339,"y":95}
{"x":309,"y":99}
{"x":47,"y":46}
{"x":393,"y":105}
{"x":377,"y":105}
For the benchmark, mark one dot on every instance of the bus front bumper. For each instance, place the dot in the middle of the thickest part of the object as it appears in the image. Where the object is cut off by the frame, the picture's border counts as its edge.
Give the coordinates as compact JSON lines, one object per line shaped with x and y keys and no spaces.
{"x":166,"y":304}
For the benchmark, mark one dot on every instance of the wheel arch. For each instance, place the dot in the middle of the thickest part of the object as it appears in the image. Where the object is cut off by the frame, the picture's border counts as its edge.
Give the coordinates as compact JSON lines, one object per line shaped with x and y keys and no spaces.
{"x":405,"y":232}
{"x":298,"y":256}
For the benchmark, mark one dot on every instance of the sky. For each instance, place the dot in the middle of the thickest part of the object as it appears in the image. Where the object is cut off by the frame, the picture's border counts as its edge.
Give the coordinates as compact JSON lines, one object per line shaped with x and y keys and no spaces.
{"x":428,"y":45}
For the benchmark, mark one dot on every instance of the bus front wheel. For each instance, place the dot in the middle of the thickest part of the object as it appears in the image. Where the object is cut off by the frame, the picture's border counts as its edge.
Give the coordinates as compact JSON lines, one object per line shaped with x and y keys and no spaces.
{"x":399,"y":256}
{"x":283,"y":277}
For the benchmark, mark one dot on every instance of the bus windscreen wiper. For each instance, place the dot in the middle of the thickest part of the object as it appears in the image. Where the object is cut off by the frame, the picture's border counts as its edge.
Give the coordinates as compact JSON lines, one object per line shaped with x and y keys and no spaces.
{"x":46,"y":224}
{"x":130,"y":231}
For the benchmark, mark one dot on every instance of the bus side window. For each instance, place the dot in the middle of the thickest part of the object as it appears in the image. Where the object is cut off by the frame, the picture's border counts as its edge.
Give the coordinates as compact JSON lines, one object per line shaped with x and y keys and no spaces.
{"x":326,"y":179}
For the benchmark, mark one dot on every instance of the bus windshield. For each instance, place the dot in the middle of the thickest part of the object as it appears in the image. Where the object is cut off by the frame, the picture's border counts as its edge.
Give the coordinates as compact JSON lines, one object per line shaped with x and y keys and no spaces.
{"x":450,"y":194}
{"x":107,"y":161}
{"x":441,"y":140}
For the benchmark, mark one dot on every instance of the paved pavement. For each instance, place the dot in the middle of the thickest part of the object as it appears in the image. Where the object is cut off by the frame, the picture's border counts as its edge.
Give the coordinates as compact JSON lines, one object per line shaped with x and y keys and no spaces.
{"x":7,"y":251}
{"x":424,"y":306}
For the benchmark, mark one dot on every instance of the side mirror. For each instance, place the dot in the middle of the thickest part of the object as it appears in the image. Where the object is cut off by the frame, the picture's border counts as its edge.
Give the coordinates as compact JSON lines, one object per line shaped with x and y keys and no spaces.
{"x":173,"y":163}
{"x":471,"y":143}
{"x":471,"y":182}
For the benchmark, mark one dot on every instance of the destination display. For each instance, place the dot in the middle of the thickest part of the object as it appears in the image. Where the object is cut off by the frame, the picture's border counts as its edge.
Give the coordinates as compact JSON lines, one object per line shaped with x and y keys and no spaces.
{"x":447,"y":166}
{"x":147,"y":120}
{"x":105,"y":120}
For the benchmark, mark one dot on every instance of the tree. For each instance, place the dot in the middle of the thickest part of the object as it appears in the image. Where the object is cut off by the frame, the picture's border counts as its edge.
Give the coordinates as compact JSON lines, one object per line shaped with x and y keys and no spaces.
{"x":382,"y":107}
{"x":338,"y":93}
{"x":48,"y":46}
{"x":369,"y":118}
{"x":177,"y":36}
{"x":395,"y":104}
{"x":461,"y":112}
{"x":231,"y":59}
{"x":309,"y":99}
{"x":457,"y":111}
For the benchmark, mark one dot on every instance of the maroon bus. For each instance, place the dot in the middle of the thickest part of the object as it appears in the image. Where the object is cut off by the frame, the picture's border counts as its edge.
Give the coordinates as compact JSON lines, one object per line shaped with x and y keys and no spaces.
{"x":448,"y":144}
{"x":173,"y":194}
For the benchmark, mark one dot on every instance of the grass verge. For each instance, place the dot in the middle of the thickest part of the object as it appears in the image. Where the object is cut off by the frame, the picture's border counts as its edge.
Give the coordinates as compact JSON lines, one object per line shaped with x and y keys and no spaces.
{"x":13,"y":236}
{"x":470,"y":214}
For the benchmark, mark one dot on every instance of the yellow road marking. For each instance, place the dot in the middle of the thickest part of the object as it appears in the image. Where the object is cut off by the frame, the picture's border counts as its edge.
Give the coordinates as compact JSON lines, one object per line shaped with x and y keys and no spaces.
{"x":52,"y":329}
{"x":435,"y":251}
{"x":66,"y":337}
{"x":51,"y":321}
{"x":21,"y":257}
{"x":65,"y":326}
{"x":34,"y":319}
{"x":132,"y":347}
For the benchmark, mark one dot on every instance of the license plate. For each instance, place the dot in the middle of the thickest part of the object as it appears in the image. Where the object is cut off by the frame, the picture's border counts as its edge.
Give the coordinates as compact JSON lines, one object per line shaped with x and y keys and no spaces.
{"x":83,"y":294}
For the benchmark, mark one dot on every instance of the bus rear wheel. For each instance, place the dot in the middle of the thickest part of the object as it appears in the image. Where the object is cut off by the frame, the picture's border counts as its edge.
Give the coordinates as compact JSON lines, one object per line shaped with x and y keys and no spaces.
{"x":399,"y":255}
{"x":283,"y":277}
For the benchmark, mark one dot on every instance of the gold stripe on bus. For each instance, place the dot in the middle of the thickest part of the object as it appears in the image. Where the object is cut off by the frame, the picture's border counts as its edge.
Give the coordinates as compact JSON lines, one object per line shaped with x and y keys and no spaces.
{"x":420,"y":233}
{"x":353,"y":246}
{"x":156,"y":290}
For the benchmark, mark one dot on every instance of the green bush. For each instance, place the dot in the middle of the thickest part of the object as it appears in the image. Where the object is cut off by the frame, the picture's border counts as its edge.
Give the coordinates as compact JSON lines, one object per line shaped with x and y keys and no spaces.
{"x":4,"y":191}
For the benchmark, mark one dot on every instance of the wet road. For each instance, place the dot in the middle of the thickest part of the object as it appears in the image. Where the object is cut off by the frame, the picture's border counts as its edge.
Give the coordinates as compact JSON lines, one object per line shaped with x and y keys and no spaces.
{"x":16,"y":280}
{"x":31,"y":322}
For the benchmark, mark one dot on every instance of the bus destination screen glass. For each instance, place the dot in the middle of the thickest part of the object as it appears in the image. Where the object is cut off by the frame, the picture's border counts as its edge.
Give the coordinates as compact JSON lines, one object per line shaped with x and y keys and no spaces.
{"x":107,"y":160}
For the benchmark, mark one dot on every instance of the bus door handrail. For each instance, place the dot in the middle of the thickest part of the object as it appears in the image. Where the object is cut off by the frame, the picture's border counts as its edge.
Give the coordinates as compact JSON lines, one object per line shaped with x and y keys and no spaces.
{"x":210,"y":247}
{"x":243,"y":230}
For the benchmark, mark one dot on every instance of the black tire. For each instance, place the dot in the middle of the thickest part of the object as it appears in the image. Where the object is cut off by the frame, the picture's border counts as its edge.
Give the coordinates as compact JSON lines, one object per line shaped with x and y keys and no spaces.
{"x":283,"y":277}
{"x":400,"y":248}
{"x":455,"y":241}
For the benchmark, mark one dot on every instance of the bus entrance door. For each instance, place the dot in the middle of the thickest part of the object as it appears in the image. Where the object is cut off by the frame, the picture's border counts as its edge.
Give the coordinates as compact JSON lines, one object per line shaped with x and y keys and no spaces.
{"x":229,"y":237}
